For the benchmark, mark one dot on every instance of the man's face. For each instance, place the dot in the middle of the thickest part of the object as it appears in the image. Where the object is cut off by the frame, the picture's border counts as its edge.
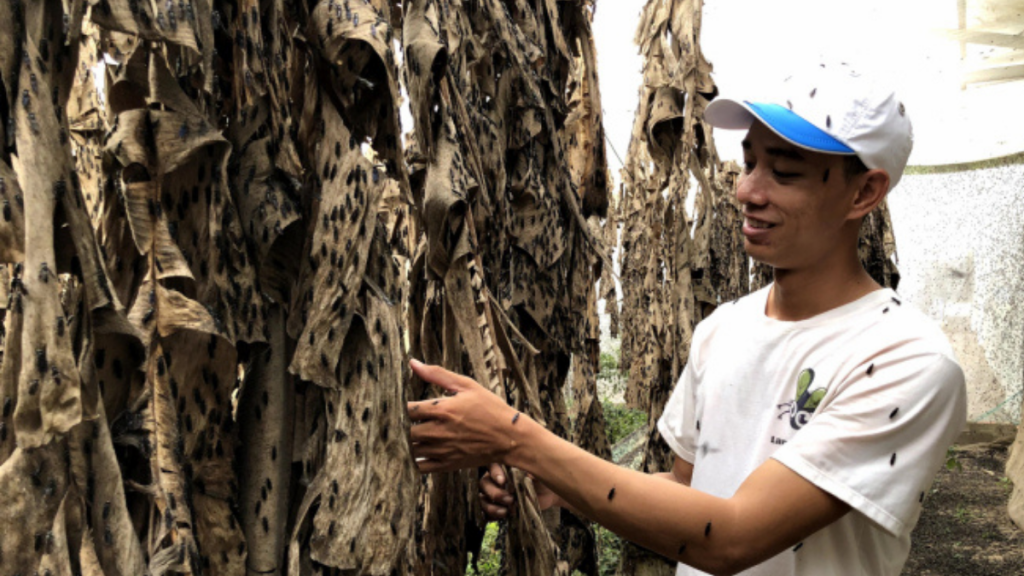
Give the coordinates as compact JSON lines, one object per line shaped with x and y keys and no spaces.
{"x":795,"y":202}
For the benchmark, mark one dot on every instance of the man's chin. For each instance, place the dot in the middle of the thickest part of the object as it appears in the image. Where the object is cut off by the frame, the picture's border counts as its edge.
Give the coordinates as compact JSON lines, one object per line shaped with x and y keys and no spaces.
{"x":763,"y":255}
{"x":758,"y":253}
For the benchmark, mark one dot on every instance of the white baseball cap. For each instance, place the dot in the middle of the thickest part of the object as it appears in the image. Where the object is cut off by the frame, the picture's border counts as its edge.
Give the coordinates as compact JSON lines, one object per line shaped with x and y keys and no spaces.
{"x":829,"y":109}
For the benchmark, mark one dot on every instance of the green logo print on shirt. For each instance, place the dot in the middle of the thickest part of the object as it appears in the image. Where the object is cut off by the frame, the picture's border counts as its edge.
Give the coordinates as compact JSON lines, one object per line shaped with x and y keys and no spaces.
{"x":800,"y":410}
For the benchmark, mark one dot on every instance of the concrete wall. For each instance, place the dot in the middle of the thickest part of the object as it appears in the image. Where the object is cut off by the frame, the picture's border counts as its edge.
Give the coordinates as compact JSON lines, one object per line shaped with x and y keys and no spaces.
{"x":960,"y":242}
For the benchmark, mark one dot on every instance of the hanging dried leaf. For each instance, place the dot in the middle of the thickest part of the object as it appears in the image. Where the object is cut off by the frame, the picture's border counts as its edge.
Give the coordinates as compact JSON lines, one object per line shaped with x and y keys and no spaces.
{"x":356,"y":512}
{"x":672,"y":278}
{"x":503,"y":283}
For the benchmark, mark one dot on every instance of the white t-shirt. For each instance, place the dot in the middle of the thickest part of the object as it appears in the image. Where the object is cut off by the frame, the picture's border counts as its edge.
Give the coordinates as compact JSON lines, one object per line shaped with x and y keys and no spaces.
{"x":862,"y":401}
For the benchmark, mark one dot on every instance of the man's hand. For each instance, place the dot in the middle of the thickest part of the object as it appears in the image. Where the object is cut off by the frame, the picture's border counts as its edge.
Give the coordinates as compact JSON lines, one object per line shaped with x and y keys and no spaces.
{"x":497,"y":501}
{"x":470,"y":427}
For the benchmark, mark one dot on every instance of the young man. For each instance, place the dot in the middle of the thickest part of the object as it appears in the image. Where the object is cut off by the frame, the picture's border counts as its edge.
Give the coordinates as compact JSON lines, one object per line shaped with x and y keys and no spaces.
{"x":812,"y":415}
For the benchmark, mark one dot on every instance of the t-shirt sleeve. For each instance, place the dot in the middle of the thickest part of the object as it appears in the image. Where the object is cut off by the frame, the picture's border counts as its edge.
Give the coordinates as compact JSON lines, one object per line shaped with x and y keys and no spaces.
{"x":678,"y":422}
{"x":878,"y":441}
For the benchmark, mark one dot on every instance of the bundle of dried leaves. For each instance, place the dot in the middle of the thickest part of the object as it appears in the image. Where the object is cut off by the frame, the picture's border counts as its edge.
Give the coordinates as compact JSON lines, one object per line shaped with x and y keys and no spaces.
{"x":509,"y":180}
{"x":209,"y":243}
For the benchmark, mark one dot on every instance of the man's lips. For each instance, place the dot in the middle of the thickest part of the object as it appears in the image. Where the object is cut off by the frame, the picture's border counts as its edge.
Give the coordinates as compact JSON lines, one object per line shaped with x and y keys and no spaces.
{"x":756,"y":228}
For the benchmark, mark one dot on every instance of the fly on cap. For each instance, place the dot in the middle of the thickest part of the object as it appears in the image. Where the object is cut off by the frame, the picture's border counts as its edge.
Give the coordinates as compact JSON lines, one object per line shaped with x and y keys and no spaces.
{"x":829,"y":109}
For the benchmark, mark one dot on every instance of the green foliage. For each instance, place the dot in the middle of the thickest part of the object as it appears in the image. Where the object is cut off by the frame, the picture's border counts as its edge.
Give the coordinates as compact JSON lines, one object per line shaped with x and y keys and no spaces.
{"x":621,"y":421}
{"x":951,"y":460}
{"x":609,"y":549}
{"x":962,"y":514}
{"x":490,"y":559}
{"x":609,"y":362}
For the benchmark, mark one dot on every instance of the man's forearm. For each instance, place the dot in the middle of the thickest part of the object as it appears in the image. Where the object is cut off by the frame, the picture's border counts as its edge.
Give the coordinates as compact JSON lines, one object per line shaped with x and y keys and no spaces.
{"x":652,"y":510}
{"x":561,"y":503}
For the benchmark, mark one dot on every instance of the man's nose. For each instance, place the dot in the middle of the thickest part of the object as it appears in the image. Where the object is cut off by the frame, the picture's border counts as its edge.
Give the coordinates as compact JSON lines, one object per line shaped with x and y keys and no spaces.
{"x":751,"y":189}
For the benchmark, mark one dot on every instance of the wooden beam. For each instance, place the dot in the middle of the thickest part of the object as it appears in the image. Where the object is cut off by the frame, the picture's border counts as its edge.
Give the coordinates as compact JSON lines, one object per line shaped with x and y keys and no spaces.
{"x":1001,"y":60}
{"x":1015,"y":41}
{"x":995,"y":74}
{"x":1003,"y":16}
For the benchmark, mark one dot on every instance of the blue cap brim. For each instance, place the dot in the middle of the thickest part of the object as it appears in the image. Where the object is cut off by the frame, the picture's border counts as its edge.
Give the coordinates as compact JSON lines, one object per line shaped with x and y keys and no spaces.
{"x":792,"y":127}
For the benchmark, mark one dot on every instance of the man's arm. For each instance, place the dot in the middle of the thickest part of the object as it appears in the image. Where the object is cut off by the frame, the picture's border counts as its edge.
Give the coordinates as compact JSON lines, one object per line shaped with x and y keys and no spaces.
{"x":773,"y":510}
{"x":496,"y":500}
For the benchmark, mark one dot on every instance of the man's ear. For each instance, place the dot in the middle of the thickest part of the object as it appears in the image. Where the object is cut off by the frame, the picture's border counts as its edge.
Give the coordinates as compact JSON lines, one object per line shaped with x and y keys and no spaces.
{"x":873,"y":185}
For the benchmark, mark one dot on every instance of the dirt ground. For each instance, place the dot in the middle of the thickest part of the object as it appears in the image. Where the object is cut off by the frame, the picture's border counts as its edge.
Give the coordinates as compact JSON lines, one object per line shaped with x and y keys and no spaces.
{"x":964,"y":529}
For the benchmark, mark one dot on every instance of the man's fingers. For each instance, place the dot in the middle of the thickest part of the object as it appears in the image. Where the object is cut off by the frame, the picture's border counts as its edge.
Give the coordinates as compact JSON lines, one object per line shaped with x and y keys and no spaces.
{"x":493,"y":492}
{"x":426,"y":466}
{"x":493,"y":511}
{"x":450,"y":381}
{"x":433,"y":451}
{"x":497,"y":473}
{"x":424,"y":410}
{"x":429,"y":431}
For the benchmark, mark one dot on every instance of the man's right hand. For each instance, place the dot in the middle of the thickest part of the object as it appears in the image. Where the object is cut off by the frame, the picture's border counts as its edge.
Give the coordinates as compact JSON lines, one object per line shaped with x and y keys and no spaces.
{"x":497,"y":501}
